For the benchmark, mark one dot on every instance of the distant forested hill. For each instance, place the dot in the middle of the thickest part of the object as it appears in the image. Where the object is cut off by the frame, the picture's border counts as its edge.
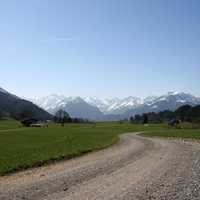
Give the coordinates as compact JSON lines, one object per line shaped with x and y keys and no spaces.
{"x":15,"y":107}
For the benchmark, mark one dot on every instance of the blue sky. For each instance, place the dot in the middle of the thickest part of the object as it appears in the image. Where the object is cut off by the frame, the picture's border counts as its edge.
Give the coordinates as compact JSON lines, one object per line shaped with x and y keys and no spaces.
{"x":102,"y":48}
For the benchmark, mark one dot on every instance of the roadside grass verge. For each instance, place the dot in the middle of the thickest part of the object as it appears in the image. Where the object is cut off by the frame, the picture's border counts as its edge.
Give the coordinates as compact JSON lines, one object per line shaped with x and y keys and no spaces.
{"x":183,"y":130}
{"x":176,"y":133}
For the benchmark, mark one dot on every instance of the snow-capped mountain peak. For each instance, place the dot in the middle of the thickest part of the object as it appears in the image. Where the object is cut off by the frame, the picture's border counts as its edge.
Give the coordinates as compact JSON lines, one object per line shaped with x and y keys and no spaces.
{"x":114,"y":105}
{"x":76,"y":100}
{"x":118,"y":106}
{"x":173,"y":93}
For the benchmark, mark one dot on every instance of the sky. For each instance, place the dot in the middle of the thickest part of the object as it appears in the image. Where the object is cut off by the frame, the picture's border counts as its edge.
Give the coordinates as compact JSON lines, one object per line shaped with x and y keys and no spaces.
{"x":99,"y":48}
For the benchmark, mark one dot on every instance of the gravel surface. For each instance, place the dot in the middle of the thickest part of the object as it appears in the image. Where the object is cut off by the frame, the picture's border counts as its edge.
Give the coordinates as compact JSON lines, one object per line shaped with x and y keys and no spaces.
{"x":137,"y":168}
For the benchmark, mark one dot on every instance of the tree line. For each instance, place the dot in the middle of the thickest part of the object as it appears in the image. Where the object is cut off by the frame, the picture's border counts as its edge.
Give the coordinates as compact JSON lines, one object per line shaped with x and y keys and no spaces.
{"x":63,"y":117}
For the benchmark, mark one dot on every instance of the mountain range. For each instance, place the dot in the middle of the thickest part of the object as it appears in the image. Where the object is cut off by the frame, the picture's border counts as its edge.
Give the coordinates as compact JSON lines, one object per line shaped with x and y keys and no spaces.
{"x":92,"y":108}
{"x":115,"y":108}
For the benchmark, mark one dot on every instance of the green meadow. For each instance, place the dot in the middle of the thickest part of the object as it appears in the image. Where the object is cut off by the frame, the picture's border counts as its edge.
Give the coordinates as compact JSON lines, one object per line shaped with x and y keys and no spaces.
{"x":21,"y":148}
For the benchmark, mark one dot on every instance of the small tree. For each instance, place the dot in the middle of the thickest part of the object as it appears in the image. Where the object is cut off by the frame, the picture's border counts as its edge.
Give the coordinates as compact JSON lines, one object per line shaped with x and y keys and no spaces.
{"x":131,"y":119}
{"x":1,"y":114}
{"x":62,"y":117}
{"x":184,"y":113}
{"x":145,"y":119}
{"x":138,"y":118}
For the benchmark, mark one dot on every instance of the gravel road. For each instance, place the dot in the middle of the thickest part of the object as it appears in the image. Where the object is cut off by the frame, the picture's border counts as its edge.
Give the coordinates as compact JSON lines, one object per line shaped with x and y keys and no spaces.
{"x":137,"y":168}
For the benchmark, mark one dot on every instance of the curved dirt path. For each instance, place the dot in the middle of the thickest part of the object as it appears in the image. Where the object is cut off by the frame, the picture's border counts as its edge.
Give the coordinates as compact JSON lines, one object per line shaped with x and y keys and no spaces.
{"x":137,"y":168}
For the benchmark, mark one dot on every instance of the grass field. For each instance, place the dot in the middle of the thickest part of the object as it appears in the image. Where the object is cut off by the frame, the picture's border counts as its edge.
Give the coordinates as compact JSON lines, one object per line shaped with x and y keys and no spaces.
{"x":21,"y":148}
{"x":9,"y":124}
{"x":178,"y":133}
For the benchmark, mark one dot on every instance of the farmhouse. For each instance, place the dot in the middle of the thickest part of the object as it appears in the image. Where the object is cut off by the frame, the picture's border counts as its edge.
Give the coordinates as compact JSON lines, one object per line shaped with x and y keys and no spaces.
{"x":31,"y":122}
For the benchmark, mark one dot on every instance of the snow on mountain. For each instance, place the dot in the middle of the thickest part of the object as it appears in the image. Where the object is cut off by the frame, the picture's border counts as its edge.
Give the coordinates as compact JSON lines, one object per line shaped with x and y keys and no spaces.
{"x":120,"y":106}
{"x":169,"y":101}
{"x":114,"y":105}
{"x":179,"y":97}
{"x":55,"y":102}
{"x":95,"y":107}
{"x":149,"y":100}
{"x":50,"y":102}
{"x":101,"y":104}
{"x":75,"y":106}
